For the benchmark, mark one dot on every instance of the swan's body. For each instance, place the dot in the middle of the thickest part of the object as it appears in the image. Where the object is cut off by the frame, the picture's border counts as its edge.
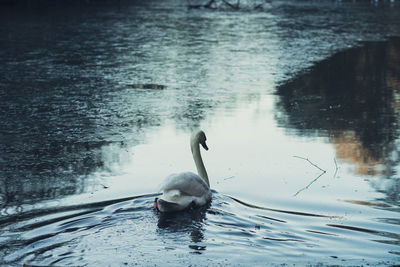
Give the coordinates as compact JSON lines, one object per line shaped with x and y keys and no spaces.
{"x":186,"y":188}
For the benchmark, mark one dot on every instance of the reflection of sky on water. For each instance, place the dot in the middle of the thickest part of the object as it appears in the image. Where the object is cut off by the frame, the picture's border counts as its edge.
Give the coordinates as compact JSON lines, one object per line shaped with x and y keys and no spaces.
{"x":98,"y":104}
{"x":74,"y":121}
{"x":347,"y":105}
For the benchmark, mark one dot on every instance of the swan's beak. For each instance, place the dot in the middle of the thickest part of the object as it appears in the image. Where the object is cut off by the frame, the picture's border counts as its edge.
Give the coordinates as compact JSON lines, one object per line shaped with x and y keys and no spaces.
{"x":155,"y":205}
{"x":204,"y":145}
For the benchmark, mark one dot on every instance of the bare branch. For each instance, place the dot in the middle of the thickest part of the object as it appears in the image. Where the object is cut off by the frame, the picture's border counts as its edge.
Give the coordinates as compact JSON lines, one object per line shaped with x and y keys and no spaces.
{"x":313,"y":181}
{"x":337,"y":168}
{"x":207,"y":5}
{"x":307,"y":186}
{"x":235,"y":7}
{"x":315,"y":165}
{"x":215,"y":4}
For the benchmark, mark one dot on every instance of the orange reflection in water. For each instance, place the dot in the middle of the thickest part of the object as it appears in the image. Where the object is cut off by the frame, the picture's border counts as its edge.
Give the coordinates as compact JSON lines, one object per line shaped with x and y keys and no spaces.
{"x":349,"y":149}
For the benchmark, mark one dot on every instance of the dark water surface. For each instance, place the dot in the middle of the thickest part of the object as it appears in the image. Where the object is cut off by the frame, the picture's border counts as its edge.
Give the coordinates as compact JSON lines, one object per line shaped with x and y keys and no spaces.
{"x":300,"y":102}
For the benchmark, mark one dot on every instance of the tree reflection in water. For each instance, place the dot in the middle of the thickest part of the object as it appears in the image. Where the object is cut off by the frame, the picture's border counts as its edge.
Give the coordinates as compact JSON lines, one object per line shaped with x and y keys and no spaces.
{"x":353,"y":98}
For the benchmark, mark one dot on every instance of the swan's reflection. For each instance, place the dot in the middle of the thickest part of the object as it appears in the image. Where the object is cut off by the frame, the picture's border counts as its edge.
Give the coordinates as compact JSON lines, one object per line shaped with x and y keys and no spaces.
{"x":190,"y":221}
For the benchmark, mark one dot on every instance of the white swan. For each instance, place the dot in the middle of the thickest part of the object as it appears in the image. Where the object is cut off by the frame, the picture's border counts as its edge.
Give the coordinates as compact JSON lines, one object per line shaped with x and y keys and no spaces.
{"x":182,"y":189}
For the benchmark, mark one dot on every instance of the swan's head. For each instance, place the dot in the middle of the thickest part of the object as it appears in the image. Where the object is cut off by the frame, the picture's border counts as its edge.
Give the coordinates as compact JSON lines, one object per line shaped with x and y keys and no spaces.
{"x":203,"y":139}
{"x":200,"y":137}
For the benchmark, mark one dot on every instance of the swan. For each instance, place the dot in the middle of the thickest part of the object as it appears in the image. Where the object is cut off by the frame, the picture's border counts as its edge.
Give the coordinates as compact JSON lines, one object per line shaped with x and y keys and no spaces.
{"x":180,"y":190}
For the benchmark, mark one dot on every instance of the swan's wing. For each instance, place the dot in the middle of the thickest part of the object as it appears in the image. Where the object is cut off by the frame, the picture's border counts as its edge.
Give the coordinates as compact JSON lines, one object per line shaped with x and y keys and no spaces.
{"x":187,"y":183}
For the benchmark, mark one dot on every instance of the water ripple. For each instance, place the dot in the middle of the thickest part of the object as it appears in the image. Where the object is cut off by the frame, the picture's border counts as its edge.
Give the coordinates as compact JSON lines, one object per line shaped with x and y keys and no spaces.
{"x":81,"y":234}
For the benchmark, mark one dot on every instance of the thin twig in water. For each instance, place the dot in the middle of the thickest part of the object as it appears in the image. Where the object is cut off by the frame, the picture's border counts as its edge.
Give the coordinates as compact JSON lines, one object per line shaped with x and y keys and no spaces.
{"x":337,"y":168}
{"x":231,"y":177}
{"x":313,"y":181}
{"x":307,"y":186}
{"x":315,"y":165}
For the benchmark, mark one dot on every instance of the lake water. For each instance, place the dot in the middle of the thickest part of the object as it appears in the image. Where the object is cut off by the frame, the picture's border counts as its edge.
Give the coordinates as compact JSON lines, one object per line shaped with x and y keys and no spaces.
{"x":300,"y":101}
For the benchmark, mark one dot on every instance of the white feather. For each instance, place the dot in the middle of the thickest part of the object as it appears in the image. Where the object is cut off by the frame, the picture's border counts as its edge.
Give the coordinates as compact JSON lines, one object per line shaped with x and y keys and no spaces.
{"x":182,"y":189}
{"x":188,"y":183}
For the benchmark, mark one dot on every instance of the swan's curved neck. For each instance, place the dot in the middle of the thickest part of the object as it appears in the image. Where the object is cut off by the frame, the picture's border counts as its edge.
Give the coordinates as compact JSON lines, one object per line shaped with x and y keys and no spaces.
{"x":201,"y":170}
